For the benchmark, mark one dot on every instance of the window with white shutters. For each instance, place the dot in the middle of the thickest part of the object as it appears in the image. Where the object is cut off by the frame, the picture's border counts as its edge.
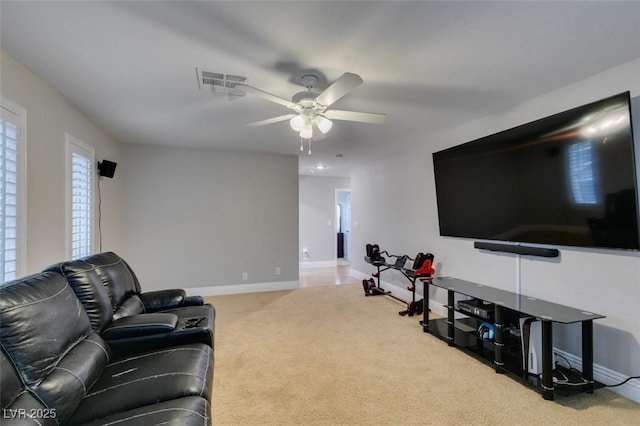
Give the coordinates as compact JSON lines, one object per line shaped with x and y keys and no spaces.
{"x":80,"y":190}
{"x":11,"y":194}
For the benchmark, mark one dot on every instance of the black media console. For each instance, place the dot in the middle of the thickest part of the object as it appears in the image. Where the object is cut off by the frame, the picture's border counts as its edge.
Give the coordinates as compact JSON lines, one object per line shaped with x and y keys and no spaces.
{"x":502,"y":310}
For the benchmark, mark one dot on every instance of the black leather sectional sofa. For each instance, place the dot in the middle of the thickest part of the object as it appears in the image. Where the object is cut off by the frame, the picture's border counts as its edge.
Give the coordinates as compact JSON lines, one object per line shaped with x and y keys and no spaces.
{"x":81,"y":344}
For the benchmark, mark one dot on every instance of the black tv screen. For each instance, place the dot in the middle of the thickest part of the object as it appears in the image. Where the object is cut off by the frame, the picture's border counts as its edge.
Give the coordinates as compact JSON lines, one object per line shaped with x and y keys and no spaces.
{"x":568,"y":179}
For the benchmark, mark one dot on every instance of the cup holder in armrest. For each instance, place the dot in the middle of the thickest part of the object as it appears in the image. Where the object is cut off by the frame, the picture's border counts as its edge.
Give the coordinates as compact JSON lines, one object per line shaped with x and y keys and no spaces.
{"x":194,"y":322}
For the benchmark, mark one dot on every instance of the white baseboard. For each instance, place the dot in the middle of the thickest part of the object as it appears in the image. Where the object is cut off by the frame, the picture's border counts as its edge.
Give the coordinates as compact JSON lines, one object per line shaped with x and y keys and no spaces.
{"x":220,"y":290}
{"x":630,"y":390}
{"x":318,"y":264}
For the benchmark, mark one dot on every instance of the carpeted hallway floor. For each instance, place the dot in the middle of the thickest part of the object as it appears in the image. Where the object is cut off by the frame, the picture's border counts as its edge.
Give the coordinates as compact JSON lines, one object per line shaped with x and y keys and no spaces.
{"x":328,"y":355}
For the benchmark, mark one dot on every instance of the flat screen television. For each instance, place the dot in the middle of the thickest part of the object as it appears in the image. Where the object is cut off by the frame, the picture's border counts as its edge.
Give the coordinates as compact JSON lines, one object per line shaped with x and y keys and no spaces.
{"x":568,"y":180}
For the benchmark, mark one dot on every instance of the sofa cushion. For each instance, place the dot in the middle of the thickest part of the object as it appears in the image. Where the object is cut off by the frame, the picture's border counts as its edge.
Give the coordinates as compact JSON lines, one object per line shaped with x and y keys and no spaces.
{"x":88,"y":287}
{"x":46,"y":334}
{"x":131,"y":305}
{"x":116,"y":276}
{"x":65,"y":387}
{"x":17,"y":404}
{"x":149,"y":378}
{"x":187,"y":411}
{"x":11,"y":385}
{"x":36,"y":306}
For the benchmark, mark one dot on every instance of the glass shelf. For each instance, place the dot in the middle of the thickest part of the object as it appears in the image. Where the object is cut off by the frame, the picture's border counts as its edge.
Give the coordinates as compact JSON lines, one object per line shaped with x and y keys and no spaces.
{"x":518,"y":302}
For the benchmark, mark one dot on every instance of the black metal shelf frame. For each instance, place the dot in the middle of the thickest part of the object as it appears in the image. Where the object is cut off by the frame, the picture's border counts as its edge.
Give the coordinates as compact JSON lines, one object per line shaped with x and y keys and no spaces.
{"x":500,"y":352}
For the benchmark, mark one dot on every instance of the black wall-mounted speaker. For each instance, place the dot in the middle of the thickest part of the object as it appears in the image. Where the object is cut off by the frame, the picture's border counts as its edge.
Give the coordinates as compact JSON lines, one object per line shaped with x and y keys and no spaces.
{"x":106,"y":168}
{"x":526,"y":250}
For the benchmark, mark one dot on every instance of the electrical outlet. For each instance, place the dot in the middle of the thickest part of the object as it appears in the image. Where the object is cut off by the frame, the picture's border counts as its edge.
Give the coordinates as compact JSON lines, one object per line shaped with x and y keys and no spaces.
{"x":278,"y":270}
{"x":245,"y":276}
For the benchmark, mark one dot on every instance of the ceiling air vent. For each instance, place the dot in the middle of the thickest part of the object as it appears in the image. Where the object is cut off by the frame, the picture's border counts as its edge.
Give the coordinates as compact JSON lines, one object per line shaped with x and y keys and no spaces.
{"x":221,"y":84}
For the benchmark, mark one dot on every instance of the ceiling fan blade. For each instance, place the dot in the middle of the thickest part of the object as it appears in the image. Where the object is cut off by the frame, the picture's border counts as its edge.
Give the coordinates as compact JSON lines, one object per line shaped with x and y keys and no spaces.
{"x":271,"y":120}
{"x":343,"y":85}
{"x":266,"y":95}
{"x":363,"y":117}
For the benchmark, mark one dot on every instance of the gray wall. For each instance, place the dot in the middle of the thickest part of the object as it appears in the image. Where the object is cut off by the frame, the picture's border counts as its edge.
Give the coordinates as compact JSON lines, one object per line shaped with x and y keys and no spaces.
{"x":202,"y":217}
{"x":212,"y":215}
{"x":318,"y":217}
{"x":602,"y":281}
{"x":49,"y":117}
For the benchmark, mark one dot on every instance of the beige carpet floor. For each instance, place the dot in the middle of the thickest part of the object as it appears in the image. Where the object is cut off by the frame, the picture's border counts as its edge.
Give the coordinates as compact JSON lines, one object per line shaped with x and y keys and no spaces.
{"x":328,"y":355}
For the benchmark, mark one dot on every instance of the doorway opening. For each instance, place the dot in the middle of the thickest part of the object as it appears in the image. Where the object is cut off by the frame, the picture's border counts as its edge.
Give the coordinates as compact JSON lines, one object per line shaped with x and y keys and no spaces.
{"x":343,"y":226}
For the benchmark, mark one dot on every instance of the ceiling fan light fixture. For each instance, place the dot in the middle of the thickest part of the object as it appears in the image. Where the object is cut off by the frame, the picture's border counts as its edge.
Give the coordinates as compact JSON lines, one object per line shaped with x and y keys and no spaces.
{"x":311,"y":113}
{"x":297,"y":123}
{"x":306,"y":132}
{"x":323,"y":124}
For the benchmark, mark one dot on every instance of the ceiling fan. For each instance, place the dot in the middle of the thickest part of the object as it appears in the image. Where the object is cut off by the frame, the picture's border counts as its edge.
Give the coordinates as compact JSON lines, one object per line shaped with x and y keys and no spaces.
{"x":311,"y":116}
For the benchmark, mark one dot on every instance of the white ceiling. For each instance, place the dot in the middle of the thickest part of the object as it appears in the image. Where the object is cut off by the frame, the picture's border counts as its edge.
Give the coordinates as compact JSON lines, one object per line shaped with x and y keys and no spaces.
{"x":429,"y":66}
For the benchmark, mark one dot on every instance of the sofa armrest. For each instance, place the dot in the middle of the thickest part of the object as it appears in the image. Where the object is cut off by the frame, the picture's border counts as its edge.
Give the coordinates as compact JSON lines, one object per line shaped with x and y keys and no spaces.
{"x":140,"y":325}
{"x":162,"y":299}
{"x":193,"y":301}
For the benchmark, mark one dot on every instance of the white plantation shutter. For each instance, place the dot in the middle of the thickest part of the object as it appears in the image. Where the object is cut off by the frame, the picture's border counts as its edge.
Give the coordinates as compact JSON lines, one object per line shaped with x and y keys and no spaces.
{"x":81,"y":198}
{"x":10,"y":194}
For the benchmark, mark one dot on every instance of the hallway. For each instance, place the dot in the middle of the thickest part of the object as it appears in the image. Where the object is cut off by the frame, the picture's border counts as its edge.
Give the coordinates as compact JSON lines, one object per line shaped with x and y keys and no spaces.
{"x":333,"y":275}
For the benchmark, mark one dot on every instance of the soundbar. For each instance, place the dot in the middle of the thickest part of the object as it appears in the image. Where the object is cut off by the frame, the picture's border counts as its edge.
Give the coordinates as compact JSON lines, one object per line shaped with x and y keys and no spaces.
{"x":526,"y":250}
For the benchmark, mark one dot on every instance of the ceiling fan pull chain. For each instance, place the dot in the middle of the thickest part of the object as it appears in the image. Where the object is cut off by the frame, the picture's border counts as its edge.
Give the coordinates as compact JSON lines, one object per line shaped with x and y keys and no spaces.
{"x":309,"y":146}
{"x":301,"y":147}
